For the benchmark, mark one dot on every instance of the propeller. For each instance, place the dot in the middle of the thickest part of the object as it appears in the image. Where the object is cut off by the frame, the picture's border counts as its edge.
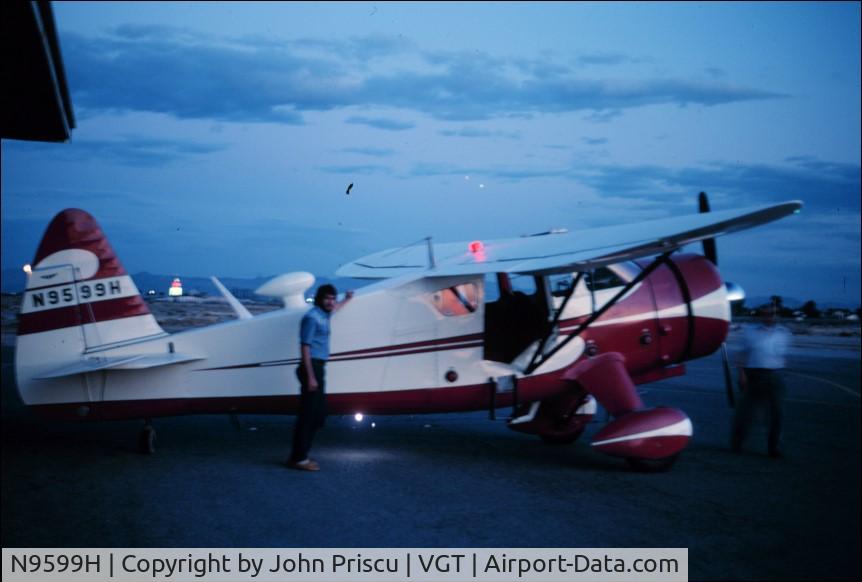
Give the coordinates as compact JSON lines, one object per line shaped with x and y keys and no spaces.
{"x":728,"y":376}
{"x":709,"y":248}
{"x":734,"y":293}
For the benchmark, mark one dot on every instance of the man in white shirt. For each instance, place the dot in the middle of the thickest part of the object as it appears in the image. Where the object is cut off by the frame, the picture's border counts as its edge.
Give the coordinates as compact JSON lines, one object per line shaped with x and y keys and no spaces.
{"x":760,"y":380}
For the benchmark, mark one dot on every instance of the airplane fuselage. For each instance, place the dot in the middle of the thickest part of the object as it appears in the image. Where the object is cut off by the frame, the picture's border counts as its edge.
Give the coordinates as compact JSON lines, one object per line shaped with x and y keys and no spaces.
{"x":395,"y":348}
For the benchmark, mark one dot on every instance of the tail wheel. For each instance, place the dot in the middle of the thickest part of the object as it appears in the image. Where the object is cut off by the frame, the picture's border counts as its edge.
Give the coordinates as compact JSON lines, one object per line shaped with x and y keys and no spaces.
{"x":147,"y":443}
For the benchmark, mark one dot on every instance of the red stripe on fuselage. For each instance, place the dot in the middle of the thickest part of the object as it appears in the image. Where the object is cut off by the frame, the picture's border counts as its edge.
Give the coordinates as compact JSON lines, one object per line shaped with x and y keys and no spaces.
{"x":452,"y":343}
{"x":439,"y":348}
{"x":75,"y":315}
{"x":453,"y":339}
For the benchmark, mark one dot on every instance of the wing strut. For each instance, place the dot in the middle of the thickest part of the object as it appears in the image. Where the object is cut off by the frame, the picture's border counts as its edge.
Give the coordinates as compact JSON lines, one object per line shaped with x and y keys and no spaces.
{"x":596,"y":314}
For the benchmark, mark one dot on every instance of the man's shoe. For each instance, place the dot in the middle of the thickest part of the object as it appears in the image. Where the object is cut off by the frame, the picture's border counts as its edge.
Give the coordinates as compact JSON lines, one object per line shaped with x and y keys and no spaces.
{"x":306,"y":465}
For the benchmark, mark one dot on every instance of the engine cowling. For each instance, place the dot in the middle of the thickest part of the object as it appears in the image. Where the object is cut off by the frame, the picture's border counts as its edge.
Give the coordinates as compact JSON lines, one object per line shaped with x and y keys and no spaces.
{"x":709,"y":305}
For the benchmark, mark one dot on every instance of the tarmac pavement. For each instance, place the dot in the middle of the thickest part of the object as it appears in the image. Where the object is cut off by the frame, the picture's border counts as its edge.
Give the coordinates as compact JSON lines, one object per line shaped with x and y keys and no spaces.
{"x":459,"y":480}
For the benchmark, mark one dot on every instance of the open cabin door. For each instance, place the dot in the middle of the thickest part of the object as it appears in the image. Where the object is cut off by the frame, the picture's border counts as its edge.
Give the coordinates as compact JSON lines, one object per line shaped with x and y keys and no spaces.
{"x":517,"y":310}
{"x":611,"y":308}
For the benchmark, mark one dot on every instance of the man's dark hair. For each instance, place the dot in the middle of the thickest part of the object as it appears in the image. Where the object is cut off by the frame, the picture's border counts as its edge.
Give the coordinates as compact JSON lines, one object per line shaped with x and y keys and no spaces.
{"x":322,"y":292}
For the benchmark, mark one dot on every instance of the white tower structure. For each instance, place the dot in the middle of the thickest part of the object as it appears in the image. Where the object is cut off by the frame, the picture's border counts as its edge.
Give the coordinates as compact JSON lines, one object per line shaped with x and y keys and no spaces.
{"x":176,"y":289}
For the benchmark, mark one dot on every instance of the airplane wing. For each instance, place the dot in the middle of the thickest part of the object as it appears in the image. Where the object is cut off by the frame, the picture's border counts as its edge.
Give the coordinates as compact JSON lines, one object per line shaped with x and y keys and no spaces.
{"x":563,"y":252}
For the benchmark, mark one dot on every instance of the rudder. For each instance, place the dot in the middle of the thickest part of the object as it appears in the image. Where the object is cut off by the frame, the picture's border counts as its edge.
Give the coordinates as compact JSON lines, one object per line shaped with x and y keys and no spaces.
{"x":77,"y":282}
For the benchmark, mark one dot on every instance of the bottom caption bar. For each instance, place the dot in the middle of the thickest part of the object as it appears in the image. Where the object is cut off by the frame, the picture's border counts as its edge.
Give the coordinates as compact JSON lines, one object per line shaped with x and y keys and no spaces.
{"x":346,"y":564}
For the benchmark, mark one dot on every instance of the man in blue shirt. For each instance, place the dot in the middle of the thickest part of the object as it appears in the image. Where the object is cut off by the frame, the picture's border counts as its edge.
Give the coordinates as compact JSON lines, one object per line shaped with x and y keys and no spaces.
{"x":314,"y":350}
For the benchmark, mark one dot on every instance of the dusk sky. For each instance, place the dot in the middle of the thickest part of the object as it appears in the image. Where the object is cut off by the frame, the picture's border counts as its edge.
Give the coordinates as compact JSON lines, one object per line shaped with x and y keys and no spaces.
{"x":219,"y":138}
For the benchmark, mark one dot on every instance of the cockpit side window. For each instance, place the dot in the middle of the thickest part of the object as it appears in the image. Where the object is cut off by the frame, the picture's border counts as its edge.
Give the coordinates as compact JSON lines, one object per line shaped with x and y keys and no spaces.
{"x":457,"y":300}
{"x":602,"y":278}
{"x":560,"y":284}
{"x":525,"y":284}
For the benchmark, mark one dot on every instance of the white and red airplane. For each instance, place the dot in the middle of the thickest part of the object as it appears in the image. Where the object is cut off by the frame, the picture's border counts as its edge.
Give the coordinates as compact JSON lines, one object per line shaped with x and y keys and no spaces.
{"x":548,"y":324}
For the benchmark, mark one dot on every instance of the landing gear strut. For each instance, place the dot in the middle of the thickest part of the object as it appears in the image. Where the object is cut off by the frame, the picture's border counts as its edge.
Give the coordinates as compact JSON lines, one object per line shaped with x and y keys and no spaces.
{"x":147,"y":442}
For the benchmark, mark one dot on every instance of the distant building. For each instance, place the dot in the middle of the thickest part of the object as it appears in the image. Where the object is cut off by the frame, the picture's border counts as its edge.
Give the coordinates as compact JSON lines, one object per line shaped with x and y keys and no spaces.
{"x":176,"y":289}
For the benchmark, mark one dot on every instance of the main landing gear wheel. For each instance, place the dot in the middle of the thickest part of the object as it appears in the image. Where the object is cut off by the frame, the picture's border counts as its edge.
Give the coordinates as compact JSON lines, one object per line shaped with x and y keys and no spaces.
{"x":652,"y":465}
{"x":147,"y":442}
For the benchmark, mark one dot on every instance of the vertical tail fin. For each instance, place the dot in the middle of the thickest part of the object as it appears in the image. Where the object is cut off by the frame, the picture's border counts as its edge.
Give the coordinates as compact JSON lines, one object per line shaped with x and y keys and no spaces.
{"x":77,"y":282}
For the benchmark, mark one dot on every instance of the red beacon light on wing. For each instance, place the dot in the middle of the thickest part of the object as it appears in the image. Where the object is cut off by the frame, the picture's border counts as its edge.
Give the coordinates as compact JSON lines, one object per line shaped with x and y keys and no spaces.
{"x":478,"y":250}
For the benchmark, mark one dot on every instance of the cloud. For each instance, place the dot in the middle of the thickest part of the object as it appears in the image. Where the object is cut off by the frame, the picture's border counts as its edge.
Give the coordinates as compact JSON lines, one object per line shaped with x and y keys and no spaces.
{"x":23,"y":200}
{"x":511,"y":174}
{"x":193,"y":76}
{"x":465,"y":90}
{"x":130,"y":150}
{"x":826,"y":187}
{"x":604,"y":59}
{"x":821,"y":185}
{"x":359,"y":170}
{"x":594,"y":141}
{"x":369,"y":151}
{"x":603,"y":116}
{"x":359,"y":49}
{"x":187,"y":74}
{"x":473,"y":132}
{"x":381,"y":123}
{"x":543,"y":67}
{"x":26,"y":214}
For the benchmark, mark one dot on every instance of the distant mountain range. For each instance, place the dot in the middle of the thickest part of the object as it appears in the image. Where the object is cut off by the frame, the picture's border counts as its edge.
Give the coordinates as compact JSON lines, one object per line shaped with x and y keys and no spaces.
{"x":14,"y":281}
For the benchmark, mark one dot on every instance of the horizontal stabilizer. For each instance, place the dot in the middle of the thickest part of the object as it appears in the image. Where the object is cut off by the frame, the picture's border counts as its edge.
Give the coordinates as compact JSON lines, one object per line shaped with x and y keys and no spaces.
{"x":134,"y":362}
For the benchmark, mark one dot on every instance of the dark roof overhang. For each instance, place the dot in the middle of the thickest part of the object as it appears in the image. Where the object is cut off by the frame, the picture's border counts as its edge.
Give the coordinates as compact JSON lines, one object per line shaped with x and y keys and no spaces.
{"x":36,"y":104}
